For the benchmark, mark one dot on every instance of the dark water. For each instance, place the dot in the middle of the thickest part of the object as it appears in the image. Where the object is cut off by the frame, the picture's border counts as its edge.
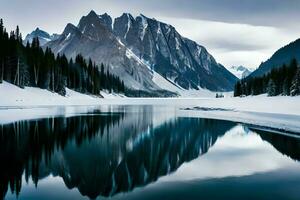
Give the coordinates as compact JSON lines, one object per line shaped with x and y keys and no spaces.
{"x":145,"y":153}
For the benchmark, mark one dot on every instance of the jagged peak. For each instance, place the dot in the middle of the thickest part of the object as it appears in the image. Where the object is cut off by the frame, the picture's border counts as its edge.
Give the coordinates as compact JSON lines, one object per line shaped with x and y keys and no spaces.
{"x":93,"y":19}
{"x":105,"y":15}
{"x":39,"y":32}
{"x":141,"y":15}
{"x":106,"y":19}
{"x":92,"y":13}
{"x":127,"y":15}
{"x":69,"y":28}
{"x":70,"y":25}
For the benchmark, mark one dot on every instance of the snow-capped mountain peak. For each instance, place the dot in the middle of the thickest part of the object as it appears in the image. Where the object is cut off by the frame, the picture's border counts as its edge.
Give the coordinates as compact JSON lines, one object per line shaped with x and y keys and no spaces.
{"x":240,"y":71}
{"x":42,"y":35}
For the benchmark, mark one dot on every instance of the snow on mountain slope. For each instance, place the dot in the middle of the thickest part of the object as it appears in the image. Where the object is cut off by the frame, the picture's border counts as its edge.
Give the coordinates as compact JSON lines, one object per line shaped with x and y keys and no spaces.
{"x":181,"y":60}
{"x":94,"y":39}
{"x":171,"y":86}
{"x":240,"y":71}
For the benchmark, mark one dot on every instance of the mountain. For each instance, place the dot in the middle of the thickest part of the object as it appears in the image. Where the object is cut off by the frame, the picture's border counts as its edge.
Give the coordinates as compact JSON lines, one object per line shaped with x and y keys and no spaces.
{"x":240,"y":71}
{"x":176,"y":58}
{"x":283,"y":56}
{"x":144,"y":52}
{"x":43,"y":36}
{"x":93,"y":38}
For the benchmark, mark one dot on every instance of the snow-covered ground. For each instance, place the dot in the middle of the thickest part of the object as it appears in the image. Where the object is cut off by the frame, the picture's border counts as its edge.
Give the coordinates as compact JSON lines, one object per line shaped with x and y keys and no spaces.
{"x":276,"y":112}
{"x":11,"y":95}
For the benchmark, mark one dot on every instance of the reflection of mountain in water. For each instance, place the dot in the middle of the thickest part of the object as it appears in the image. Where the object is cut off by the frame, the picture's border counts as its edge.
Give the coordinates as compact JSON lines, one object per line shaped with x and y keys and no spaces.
{"x":102,"y":154}
{"x":286,"y":145}
{"x":152,"y":153}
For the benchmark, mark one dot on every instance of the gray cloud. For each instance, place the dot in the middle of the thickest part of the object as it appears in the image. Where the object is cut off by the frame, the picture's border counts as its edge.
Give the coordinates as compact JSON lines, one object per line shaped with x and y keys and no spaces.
{"x":235,"y":45}
{"x":278,"y":13}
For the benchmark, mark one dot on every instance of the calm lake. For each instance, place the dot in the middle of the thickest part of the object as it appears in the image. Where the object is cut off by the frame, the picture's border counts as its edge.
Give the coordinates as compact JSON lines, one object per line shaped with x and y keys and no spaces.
{"x":145,"y":152}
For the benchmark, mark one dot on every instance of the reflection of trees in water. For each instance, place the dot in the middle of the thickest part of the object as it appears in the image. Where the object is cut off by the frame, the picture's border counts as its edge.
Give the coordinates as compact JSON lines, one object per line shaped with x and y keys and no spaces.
{"x":24,"y":145}
{"x":286,"y":145}
{"x":102,"y":154}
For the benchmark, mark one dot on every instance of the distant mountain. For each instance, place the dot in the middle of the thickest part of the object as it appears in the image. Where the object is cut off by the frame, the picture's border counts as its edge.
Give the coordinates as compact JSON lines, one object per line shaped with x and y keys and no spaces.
{"x":141,"y":51}
{"x":283,"y":56}
{"x":54,"y":36}
{"x":240,"y":71}
{"x":43,"y":36}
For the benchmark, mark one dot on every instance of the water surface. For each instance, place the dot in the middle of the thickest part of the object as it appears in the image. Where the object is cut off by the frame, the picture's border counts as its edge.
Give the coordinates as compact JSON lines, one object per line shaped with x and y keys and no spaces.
{"x":145,"y":152}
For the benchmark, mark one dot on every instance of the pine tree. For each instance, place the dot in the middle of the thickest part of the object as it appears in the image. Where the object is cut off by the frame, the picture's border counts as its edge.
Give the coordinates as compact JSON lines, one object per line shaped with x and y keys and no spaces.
{"x":237,"y":89}
{"x":1,"y":28}
{"x":18,"y":36}
{"x":1,"y":51}
{"x":286,"y":87}
{"x":295,"y":88}
{"x":271,"y":90}
{"x":282,"y":78}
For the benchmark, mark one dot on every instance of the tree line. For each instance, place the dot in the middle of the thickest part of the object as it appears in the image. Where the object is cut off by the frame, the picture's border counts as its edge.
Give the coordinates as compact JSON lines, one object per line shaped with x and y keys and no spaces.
{"x":284,"y":80}
{"x":30,"y":65}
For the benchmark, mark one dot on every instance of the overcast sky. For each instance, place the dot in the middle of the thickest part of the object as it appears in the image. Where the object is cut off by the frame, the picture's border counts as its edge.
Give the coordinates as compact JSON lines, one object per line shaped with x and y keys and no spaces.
{"x":235,"y":32}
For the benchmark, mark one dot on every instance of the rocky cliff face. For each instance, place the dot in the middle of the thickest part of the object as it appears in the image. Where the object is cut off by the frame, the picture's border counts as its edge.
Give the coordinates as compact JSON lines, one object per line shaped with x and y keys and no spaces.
{"x":93,"y":38}
{"x":176,"y":58}
{"x":136,"y":48}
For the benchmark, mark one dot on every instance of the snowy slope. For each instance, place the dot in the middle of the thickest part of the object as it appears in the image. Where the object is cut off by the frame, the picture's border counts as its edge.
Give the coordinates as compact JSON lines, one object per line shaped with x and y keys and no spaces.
{"x":173,"y":87}
{"x":30,"y":96}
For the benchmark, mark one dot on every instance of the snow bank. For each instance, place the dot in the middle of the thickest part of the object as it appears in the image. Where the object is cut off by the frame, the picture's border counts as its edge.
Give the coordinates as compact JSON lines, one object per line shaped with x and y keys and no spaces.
{"x":11,"y":95}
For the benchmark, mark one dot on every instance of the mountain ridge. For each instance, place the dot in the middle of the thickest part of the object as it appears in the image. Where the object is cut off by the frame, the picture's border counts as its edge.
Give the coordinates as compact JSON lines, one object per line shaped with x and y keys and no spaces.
{"x":283,"y":55}
{"x":240,"y":71}
{"x":135,"y":48}
{"x":44,"y":37}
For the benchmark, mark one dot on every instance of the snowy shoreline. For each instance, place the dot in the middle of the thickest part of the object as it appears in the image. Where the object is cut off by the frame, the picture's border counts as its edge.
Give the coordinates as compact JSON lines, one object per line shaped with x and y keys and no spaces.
{"x":13,"y":97}
{"x":282,"y":112}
